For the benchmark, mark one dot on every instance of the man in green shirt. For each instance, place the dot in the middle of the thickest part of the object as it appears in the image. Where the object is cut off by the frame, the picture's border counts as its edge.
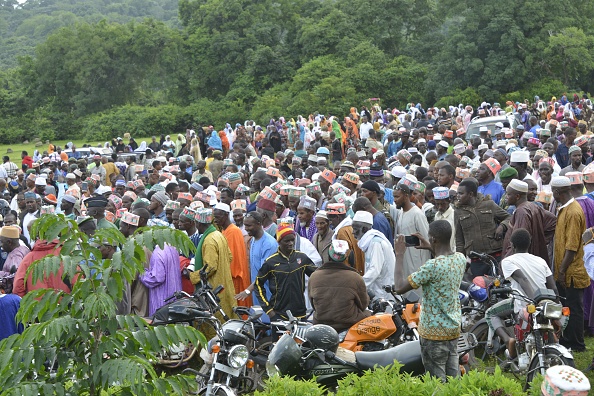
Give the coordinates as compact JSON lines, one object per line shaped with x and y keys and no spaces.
{"x":440,"y":277}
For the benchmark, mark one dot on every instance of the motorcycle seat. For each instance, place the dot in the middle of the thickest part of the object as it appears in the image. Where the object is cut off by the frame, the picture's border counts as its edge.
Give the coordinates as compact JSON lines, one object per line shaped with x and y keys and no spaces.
{"x":408,"y":354}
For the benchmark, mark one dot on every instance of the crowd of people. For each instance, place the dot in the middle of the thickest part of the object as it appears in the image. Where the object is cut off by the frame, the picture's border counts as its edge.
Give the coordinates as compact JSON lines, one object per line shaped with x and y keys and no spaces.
{"x":322,"y":212}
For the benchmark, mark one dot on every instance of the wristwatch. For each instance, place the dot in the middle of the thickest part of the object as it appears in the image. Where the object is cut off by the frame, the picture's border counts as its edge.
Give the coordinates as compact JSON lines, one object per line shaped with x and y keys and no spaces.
{"x":247,"y":291}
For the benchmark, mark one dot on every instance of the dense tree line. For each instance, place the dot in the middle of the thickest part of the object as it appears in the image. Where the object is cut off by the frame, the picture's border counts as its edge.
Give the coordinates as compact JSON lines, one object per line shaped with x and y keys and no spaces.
{"x":228,"y":60}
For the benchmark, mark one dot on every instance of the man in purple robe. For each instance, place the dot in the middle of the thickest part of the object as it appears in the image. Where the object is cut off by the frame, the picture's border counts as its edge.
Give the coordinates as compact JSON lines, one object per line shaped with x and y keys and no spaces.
{"x":163,"y":278}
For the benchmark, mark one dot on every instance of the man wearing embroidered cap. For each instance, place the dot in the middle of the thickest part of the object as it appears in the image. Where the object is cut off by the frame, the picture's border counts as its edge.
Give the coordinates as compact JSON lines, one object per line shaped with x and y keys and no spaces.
{"x":531,"y":217}
{"x":284,"y":272}
{"x":575,"y":161}
{"x":343,"y":230}
{"x":213,"y":252}
{"x":157,"y":206}
{"x":234,"y":236}
{"x":445,"y":211}
{"x":486,"y":177}
{"x":9,"y":241}
{"x":267,"y":209}
{"x":379,"y":255}
{"x":306,"y":226}
{"x":67,"y":206}
{"x":570,"y":273}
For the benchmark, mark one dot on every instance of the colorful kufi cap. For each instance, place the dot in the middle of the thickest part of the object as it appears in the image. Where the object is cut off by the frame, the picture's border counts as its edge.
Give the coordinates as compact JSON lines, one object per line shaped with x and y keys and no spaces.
{"x":185,"y":195}
{"x":172,"y":205}
{"x":242,"y":188}
{"x":339,"y":250}
{"x":328,"y":175}
{"x":361,"y":154}
{"x":204,"y":216}
{"x":278,"y":201}
{"x":296,"y":160}
{"x":270,"y":163}
{"x":548,"y":160}
{"x":340,"y":198}
{"x":408,"y":181}
{"x":308,"y":203}
{"x":544,"y":197}
{"x":138,"y":183}
{"x":338,"y":188}
{"x":348,"y":164}
{"x":405,"y":154}
{"x":351,"y":178}
{"x":195,"y":205}
{"x":157,"y":223}
{"x":131,"y":194}
{"x":297,"y":192}
{"x":271,"y":171}
{"x":109,"y":216}
{"x":580,"y":140}
{"x":462,"y":173}
{"x":460,"y":132}
{"x":239,"y":204}
{"x":335,"y":208}
{"x":564,"y":124}
{"x":534,"y":140}
{"x":130,"y":218}
{"x":574,"y":148}
{"x":527,"y":135}
{"x":188,"y":213}
{"x":441,"y":193}
{"x":564,"y":380}
{"x":313,"y":187}
{"x":420,"y":187}
{"x":363,"y":171}
{"x":120,"y":182}
{"x":173,"y":168}
{"x":47,"y":209}
{"x":363,"y":163}
{"x":545,"y":132}
{"x":301,"y":182}
{"x":130,"y":184}
{"x":234,"y":177}
{"x":268,"y":193}
{"x":51,"y":198}
{"x":285,"y":189}
{"x":575,"y":177}
{"x":117,"y":201}
{"x":138,"y":168}
{"x":227,"y":162}
{"x":266,"y":204}
{"x":283,"y":231}
{"x":120,"y":212}
{"x":588,"y":174}
{"x":493,"y":165}
{"x":448,"y":134}
{"x":203,"y":197}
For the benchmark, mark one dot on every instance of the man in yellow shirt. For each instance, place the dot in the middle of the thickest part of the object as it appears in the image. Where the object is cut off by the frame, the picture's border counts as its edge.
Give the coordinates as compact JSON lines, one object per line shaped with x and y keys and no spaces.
{"x":110,"y":169}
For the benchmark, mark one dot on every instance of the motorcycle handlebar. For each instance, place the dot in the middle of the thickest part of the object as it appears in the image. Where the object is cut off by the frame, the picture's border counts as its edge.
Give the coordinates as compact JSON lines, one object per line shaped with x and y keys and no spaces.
{"x":502,"y":290}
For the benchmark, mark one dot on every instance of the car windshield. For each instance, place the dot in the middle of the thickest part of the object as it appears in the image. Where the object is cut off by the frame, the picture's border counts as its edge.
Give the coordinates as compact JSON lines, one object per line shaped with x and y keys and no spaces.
{"x":474,"y":129}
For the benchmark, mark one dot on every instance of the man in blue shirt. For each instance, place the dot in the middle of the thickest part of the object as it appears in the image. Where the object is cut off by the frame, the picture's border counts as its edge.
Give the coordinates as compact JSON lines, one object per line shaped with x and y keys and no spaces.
{"x":9,"y":306}
{"x":380,"y":221}
{"x":486,"y":177}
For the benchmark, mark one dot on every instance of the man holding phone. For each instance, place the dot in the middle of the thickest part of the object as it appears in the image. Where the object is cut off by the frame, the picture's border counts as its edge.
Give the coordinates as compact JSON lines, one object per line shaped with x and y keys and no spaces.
{"x":439,"y":325}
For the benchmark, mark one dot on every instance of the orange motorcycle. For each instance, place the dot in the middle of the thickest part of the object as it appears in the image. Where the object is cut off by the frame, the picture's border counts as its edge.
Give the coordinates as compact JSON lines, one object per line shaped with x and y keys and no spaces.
{"x":392,"y":323}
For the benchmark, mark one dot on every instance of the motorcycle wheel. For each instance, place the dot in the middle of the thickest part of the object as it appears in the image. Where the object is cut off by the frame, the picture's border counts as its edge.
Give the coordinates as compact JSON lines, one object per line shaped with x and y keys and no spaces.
{"x":218,"y":392}
{"x":265,"y":345}
{"x":482,"y":351}
{"x":552,"y":358}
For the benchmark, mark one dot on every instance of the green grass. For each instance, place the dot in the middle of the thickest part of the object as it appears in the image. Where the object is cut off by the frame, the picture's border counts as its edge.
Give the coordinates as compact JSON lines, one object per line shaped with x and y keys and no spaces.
{"x":15,"y":156}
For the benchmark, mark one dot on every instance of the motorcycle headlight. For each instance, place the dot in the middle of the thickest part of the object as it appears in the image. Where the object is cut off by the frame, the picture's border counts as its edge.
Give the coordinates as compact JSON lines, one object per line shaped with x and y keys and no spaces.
{"x":552,"y":310}
{"x":238,"y":356}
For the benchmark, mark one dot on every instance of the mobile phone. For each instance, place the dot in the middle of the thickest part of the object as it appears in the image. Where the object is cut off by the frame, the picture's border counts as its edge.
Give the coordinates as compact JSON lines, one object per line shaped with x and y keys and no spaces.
{"x":85,"y":186}
{"x":412,"y":240}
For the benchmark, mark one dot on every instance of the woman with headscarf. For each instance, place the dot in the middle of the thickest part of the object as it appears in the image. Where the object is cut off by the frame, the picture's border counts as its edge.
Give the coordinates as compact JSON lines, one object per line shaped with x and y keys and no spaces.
{"x":215,"y":141}
{"x":142,"y":148}
{"x":352,"y":131}
{"x":181,"y":140}
{"x":133,"y":145}
{"x":195,"y":150}
{"x":224,"y":143}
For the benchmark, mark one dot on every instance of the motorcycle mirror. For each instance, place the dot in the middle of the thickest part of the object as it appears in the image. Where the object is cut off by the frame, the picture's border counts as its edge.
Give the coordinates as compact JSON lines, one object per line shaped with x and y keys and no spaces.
{"x":412,"y":297}
{"x":218,"y":290}
{"x":255,"y":317}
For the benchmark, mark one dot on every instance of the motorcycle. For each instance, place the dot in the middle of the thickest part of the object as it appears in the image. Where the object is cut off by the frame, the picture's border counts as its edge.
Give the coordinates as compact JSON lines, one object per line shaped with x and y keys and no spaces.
{"x":320,"y":357}
{"x":392,"y":323}
{"x":536,"y":345}
{"x":475,"y":298}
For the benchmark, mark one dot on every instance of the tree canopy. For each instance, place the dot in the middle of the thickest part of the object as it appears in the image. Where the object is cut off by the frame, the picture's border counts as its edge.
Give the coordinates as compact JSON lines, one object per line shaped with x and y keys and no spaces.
{"x":71,"y":65}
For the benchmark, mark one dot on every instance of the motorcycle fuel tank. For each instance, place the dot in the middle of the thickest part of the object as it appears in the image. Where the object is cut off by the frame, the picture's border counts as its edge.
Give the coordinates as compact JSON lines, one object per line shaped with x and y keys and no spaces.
{"x":374,"y":328}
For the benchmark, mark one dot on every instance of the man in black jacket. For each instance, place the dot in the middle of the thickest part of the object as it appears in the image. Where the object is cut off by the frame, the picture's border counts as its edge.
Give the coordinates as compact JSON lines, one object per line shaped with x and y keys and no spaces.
{"x":285,"y":273}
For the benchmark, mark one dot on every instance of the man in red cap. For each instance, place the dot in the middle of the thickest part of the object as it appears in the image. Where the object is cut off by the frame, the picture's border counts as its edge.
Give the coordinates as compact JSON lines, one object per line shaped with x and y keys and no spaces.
{"x":267,"y":208}
{"x":285,"y":273}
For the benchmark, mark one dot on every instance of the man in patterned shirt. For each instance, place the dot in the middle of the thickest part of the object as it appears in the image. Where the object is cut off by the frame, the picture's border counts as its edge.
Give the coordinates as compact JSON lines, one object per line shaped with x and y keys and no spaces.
{"x":439,"y":325}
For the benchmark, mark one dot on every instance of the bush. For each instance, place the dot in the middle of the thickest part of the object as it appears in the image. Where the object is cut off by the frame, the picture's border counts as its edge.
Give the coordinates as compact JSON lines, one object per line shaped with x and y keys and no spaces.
{"x":390,"y":381}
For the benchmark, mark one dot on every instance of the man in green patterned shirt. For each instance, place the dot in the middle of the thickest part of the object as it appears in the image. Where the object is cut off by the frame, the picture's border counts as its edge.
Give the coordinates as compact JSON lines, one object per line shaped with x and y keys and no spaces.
{"x":440,"y":277}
